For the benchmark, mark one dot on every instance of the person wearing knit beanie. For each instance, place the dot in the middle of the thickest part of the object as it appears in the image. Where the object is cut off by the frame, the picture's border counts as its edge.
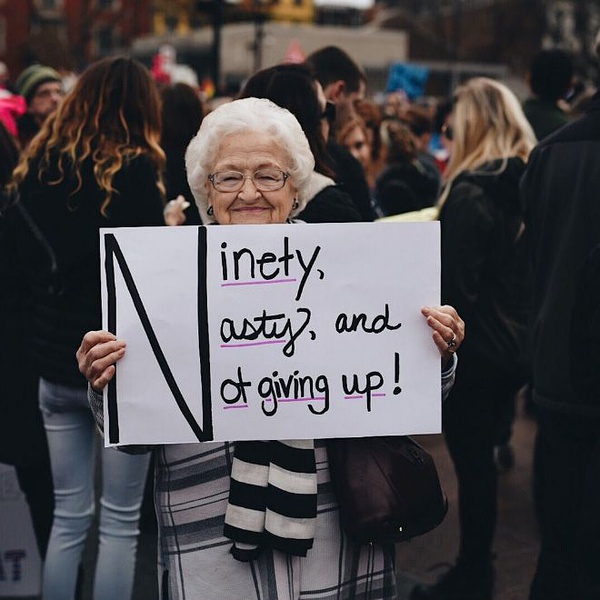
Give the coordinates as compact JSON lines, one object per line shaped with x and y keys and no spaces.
{"x":41,"y":86}
{"x":32,"y":77}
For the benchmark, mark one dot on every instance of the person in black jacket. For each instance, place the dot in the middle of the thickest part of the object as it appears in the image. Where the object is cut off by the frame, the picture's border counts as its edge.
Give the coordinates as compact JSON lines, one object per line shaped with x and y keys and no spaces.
{"x":550,"y":79}
{"x":95,"y":163}
{"x":484,"y":274}
{"x":560,"y":190}
{"x":182,"y":113}
{"x":22,"y":437}
{"x":42,"y":88}
{"x":344,"y":84}
{"x":405,"y":184}
{"x":293,"y":87}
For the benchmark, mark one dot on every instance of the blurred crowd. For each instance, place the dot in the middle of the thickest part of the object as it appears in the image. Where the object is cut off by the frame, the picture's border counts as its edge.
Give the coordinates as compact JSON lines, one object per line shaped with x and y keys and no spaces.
{"x":513,"y":182}
{"x":402,"y":144}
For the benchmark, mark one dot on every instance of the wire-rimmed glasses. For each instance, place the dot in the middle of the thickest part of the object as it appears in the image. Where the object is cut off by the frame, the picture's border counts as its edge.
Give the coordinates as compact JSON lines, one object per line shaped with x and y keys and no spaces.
{"x":264,"y":180}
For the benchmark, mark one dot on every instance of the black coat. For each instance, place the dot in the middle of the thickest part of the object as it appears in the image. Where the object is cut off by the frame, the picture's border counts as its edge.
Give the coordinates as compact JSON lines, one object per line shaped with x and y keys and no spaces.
{"x":584,"y":340}
{"x":177,"y":183}
{"x":52,"y":242}
{"x":561,"y":190}
{"x":485,"y":271}
{"x":351,"y":178}
{"x":407,"y":186}
{"x":50,"y":293}
{"x":22,"y":436}
{"x":330,"y":205}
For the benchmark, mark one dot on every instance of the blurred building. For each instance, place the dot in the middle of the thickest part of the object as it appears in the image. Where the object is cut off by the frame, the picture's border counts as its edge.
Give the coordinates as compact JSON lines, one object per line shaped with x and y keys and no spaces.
{"x":373,"y":48}
{"x":292,"y":11}
{"x":228,"y":40}
{"x":454,"y":39}
{"x":457,"y":39}
{"x":68,"y":34}
{"x":181,"y":16}
{"x":500,"y":32}
{"x":352,"y":13}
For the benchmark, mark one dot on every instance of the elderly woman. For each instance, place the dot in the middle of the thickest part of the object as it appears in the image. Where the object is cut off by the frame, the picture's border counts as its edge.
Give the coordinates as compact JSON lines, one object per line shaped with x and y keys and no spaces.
{"x":251,"y":163}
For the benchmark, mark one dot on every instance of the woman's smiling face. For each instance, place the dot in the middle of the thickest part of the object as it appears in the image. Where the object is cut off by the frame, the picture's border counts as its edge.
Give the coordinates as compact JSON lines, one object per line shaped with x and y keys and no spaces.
{"x":247,"y":153}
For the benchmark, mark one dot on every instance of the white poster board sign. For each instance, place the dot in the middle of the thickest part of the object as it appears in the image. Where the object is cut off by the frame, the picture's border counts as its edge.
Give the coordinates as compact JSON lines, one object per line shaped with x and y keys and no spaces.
{"x":271,"y":332}
{"x":20,"y":565}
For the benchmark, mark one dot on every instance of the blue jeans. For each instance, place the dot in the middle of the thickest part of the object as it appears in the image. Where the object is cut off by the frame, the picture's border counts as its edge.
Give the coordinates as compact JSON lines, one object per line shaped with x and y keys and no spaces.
{"x":73,"y":441}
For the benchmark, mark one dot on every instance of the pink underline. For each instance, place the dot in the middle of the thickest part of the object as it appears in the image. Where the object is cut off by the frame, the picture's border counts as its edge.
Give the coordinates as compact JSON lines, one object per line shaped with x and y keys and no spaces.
{"x":258,"y":282}
{"x":296,"y":399}
{"x":253,"y":344}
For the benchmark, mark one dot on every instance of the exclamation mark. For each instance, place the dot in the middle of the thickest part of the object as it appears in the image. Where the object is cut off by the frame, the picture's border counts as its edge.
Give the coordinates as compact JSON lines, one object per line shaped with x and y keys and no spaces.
{"x":397,"y":389}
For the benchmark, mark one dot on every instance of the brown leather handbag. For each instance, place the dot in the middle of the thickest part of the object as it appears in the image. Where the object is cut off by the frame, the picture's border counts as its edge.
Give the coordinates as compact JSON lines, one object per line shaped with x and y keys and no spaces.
{"x":388,"y":488}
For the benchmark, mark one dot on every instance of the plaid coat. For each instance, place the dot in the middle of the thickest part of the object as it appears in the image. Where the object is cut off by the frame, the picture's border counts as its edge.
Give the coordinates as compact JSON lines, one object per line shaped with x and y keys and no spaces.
{"x":191,"y":492}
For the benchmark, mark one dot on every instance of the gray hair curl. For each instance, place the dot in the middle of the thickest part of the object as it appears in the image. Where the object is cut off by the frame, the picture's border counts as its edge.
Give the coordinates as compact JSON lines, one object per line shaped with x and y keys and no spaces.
{"x":248,"y":115}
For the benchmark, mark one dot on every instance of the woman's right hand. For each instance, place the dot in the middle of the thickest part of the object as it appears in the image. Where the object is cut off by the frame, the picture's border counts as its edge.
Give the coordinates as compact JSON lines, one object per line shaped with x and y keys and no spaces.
{"x":97,"y":355}
{"x":174,"y":211}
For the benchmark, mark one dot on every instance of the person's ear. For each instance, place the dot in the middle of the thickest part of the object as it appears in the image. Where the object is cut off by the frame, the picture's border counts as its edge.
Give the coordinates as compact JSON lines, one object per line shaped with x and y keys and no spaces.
{"x":334,"y":90}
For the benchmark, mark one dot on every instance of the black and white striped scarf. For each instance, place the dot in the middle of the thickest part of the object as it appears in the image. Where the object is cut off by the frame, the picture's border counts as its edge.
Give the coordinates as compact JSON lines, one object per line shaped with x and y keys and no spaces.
{"x":272,"y":498}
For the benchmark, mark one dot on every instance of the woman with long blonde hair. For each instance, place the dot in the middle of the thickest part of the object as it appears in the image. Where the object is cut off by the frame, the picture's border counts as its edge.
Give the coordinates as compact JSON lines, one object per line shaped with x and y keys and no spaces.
{"x":484,"y":276}
{"x":95,"y":163}
{"x":487,"y":126}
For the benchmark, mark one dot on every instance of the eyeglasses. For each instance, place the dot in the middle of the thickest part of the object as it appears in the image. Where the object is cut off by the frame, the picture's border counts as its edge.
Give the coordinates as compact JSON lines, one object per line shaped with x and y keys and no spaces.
{"x":329,"y":112}
{"x":264,"y":180}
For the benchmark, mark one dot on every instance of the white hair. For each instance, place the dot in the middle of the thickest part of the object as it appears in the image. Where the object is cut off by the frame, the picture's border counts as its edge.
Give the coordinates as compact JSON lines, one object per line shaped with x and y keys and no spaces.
{"x":256,"y":115}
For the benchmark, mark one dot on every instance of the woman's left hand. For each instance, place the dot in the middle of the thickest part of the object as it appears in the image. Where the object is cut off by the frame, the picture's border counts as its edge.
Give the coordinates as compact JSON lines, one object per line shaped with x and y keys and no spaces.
{"x":448,"y":329}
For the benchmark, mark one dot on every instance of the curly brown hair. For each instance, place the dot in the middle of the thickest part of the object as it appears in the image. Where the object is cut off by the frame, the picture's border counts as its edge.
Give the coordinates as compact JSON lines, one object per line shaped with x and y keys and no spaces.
{"x":111,"y":115}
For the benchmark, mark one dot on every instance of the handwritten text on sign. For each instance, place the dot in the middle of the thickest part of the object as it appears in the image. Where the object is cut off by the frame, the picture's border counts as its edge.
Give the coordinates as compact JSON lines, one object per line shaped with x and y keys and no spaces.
{"x":271,"y":332}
